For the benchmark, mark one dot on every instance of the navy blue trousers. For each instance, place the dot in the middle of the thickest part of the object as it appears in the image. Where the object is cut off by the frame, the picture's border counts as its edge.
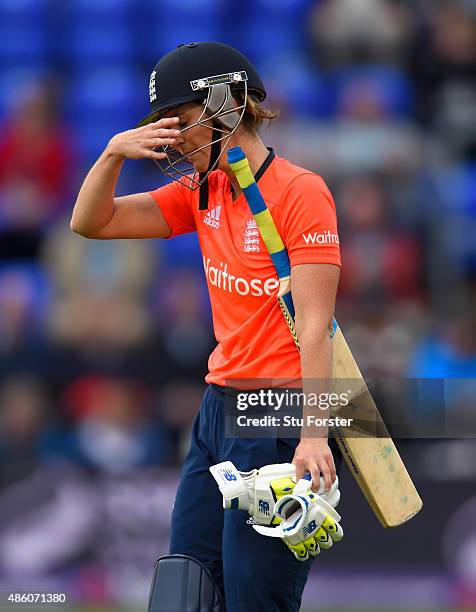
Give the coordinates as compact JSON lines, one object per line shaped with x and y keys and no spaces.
{"x":255,"y":573}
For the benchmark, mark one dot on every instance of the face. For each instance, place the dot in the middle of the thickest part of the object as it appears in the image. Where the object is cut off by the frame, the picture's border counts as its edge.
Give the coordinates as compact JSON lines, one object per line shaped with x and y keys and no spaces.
{"x":192,"y":138}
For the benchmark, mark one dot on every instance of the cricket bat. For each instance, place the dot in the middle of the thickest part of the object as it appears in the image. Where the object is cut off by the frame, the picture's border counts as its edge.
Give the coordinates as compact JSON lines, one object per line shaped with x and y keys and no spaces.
{"x":371,"y":456}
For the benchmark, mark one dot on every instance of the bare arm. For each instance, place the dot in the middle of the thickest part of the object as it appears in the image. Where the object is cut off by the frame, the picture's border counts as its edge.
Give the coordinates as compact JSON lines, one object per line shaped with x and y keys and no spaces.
{"x":97,"y":213}
{"x":314,"y":288}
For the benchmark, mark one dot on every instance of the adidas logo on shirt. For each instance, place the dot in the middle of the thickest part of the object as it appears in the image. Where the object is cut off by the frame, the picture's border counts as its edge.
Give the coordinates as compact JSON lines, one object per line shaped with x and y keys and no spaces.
{"x":212,"y":218}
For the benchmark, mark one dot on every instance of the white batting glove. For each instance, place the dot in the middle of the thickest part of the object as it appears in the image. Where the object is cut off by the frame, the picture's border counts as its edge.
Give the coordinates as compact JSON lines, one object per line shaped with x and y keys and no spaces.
{"x":258,"y":491}
{"x":309,"y":524}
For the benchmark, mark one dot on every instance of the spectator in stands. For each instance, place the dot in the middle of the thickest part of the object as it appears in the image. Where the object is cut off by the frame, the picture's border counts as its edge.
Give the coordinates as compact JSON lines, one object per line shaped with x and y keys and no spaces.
{"x":449,"y":350}
{"x":346,"y":31}
{"x":182,"y":315}
{"x":382,"y":263}
{"x":443,"y":66}
{"x":36,"y":166}
{"x":23,"y":412}
{"x":24,"y":298}
{"x":114,"y":432}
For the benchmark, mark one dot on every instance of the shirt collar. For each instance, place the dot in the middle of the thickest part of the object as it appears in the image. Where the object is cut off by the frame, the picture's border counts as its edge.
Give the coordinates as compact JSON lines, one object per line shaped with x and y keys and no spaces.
{"x":265,"y":165}
{"x":261,"y":171}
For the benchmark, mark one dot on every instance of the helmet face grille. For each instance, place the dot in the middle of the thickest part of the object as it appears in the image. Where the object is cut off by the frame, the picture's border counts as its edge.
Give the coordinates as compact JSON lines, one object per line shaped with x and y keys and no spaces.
{"x":222,"y":117}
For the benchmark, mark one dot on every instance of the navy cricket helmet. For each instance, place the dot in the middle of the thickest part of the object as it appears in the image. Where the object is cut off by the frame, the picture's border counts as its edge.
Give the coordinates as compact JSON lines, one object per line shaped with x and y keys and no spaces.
{"x":176,"y":77}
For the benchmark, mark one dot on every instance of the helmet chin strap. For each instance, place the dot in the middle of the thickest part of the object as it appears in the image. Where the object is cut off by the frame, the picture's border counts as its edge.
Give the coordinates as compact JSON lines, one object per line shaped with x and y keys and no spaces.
{"x":203,"y":193}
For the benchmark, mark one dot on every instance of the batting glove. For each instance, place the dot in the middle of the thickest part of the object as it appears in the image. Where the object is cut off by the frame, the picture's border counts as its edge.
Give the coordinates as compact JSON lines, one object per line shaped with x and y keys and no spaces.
{"x":258,"y":491}
{"x":308,"y":524}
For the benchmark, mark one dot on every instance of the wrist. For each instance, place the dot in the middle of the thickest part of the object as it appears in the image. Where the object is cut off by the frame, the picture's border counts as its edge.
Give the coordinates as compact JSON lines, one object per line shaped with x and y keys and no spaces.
{"x":111,"y":151}
{"x":308,"y":438}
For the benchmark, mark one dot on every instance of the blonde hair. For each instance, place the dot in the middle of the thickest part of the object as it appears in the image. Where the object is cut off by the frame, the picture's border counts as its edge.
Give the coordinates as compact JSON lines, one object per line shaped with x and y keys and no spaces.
{"x":255,"y":114}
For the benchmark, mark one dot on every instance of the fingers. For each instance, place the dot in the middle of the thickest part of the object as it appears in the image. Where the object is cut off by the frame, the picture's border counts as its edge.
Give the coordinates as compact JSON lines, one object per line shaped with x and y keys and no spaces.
{"x":157,"y":134}
{"x":332,"y":467}
{"x":161,"y":133}
{"x":316,"y":476}
{"x":299,"y":551}
{"x":168,"y":121}
{"x":149,"y":153}
{"x":326,"y":474}
{"x":300,"y":467}
{"x":306,"y":548}
{"x":158,"y":142}
{"x":165,"y":122}
{"x":162,"y":129}
{"x":141,"y":142}
{"x":328,"y":469}
{"x":333,"y":529}
{"x":317,"y":531}
{"x":316,"y":457}
{"x":323,"y":538}
{"x":304,"y":465}
{"x":312,"y":546}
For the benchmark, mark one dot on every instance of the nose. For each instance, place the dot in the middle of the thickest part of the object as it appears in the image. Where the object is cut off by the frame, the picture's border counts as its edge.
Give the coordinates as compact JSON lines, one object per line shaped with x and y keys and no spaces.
{"x":177,"y":146}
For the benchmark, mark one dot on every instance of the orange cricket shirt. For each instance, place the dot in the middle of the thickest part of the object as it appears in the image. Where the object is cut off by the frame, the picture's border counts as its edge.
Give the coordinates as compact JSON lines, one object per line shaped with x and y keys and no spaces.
{"x":254,"y":341}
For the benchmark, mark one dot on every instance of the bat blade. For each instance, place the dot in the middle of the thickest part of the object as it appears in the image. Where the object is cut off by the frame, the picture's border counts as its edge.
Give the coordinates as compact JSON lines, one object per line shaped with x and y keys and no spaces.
{"x":372,"y":457}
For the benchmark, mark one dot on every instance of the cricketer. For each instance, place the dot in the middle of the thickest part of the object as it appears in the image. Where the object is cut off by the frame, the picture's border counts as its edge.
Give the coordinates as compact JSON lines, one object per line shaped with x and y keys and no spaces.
{"x":206,"y":98}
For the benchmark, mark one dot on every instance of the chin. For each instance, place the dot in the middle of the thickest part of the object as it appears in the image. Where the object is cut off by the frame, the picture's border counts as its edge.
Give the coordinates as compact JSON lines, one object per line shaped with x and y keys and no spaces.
{"x":200,"y":167}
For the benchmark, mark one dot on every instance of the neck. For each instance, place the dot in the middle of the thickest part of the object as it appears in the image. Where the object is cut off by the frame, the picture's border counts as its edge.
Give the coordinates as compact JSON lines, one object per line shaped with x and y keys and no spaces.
{"x":255,"y":151}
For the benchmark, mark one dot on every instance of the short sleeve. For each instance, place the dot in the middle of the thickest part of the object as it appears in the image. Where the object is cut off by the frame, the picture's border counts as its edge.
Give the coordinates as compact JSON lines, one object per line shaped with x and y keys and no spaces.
{"x":175,"y":202}
{"x":306,"y":219}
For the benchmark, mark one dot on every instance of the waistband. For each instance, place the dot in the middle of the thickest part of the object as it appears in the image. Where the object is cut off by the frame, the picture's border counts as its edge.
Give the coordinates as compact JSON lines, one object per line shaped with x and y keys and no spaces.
{"x":219,"y":390}
{"x":222,"y":390}
{"x":230,"y":392}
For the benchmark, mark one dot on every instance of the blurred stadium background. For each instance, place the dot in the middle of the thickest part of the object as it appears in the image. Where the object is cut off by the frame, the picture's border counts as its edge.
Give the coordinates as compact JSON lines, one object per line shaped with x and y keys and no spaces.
{"x":101,"y":368}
